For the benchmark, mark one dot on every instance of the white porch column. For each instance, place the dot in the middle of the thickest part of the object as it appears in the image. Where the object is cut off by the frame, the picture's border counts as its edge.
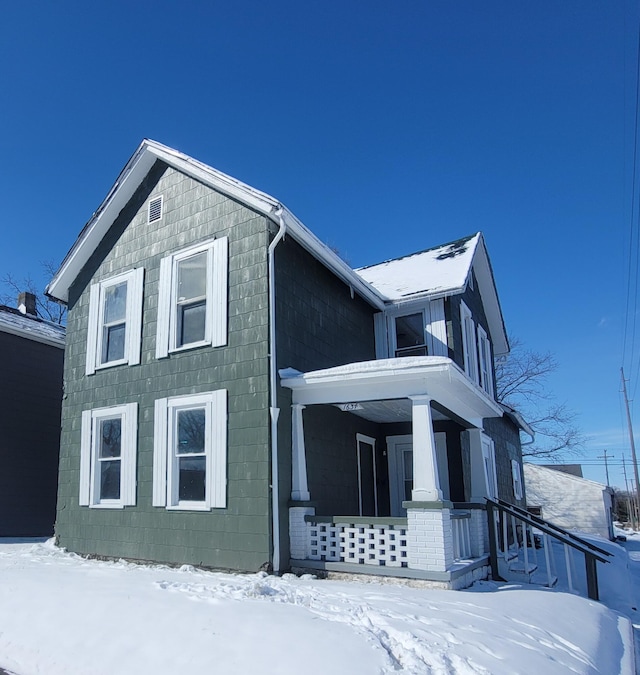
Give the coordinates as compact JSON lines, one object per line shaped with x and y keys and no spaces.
{"x":426,"y":484}
{"x":299,"y":486}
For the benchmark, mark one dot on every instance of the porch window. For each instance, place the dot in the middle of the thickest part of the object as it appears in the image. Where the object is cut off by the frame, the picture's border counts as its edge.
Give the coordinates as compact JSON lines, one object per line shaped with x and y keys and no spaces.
{"x":190,"y":451}
{"x":192,"y":298}
{"x":115,"y":321}
{"x":410,"y":335}
{"x":108,"y":456}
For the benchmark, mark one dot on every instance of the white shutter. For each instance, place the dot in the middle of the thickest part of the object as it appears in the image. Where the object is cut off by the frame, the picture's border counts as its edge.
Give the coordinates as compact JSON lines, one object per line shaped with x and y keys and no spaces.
{"x":437,"y":329}
{"x":92,"y":328}
{"x":217,"y":457}
{"x":134,"y":315}
{"x":85,"y":458}
{"x":129,"y":454}
{"x":164,"y":308}
{"x":160,"y":453}
{"x":380,"y":333}
{"x":217,"y":291}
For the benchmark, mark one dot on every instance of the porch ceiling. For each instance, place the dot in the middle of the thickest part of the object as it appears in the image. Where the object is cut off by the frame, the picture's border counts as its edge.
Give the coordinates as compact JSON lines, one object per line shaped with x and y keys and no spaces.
{"x":384,"y":412}
{"x":386,"y":380}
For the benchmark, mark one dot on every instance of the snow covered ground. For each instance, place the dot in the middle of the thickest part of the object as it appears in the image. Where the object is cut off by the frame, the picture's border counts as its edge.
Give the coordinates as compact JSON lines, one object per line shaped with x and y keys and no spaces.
{"x":61,"y":614}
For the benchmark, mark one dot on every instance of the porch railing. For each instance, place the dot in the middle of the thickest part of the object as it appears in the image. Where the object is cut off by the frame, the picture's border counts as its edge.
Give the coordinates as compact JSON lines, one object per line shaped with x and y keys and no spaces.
{"x":362,"y":541}
{"x":518,"y":541}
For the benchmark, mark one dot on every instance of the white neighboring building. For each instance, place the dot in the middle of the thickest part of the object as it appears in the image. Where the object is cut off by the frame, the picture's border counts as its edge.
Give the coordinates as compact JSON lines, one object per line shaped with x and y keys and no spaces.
{"x":569,"y":501}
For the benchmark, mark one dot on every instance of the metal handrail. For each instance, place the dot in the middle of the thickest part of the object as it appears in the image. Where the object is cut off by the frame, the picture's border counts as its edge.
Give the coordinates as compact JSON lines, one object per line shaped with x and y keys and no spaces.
{"x":568,"y":539}
{"x":541,"y":523}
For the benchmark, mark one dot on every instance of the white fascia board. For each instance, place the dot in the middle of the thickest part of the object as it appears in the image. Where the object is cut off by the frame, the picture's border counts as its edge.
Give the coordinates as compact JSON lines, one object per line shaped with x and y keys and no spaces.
{"x":30,"y":335}
{"x":437,"y":377}
{"x":489,"y":294}
{"x":131,"y":177}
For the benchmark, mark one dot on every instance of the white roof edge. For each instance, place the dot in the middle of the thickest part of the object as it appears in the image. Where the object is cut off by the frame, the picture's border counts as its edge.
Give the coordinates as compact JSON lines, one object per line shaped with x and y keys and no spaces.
{"x":130,"y":177}
{"x":35,"y":337}
{"x":569,"y":475}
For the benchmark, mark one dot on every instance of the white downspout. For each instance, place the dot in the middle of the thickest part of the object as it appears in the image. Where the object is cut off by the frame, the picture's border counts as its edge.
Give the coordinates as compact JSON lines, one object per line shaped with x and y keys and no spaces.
{"x":274,"y":411}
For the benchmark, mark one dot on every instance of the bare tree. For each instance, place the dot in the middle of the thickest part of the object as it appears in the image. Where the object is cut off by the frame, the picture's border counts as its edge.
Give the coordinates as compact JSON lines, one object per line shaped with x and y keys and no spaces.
{"x":47,"y":308}
{"x":521,"y":383}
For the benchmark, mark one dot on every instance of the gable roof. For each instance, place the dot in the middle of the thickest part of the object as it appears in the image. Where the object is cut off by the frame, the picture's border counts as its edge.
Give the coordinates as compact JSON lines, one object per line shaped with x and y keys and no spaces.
{"x":439,"y":272}
{"x":31,"y":327}
{"x":543,"y":471}
{"x":134,"y":173}
{"x":454,"y":260}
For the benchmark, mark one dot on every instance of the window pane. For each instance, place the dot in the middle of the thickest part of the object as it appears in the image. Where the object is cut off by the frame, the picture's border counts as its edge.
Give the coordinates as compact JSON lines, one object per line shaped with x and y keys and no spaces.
{"x":110,"y":433}
{"x":409,"y":331}
{"x":192,"y":479}
{"x":192,"y":277}
{"x":191,"y":323}
{"x":115,"y":303}
{"x":110,"y":479}
{"x":191,"y":428}
{"x":113,"y":343}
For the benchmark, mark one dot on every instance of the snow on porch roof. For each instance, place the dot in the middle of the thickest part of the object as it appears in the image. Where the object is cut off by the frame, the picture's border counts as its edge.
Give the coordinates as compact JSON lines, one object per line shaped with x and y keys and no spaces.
{"x":435,"y":376}
{"x":436,"y":271}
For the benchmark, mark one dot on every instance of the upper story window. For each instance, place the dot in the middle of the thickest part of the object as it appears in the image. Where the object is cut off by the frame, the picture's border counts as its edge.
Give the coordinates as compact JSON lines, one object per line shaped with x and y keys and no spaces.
{"x":486,"y":370}
{"x":420,"y":332}
{"x":108,"y":456}
{"x":192,"y":298}
{"x":469,"y":346}
{"x":190,"y":451}
{"x":410,"y":335}
{"x":115,"y":321}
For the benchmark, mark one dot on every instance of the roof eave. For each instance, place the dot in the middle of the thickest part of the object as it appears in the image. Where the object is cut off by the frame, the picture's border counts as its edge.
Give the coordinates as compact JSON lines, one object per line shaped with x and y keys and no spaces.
{"x":132,"y":175}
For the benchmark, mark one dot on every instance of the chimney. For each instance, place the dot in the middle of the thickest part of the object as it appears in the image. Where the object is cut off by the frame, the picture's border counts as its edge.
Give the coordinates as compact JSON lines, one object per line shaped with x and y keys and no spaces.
{"x":27,"y":304}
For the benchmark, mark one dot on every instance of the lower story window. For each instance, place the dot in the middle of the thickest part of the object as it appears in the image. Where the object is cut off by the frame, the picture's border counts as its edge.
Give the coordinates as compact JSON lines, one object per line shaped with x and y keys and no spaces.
{"x":108,"y":456}
{"x":190,"y":451}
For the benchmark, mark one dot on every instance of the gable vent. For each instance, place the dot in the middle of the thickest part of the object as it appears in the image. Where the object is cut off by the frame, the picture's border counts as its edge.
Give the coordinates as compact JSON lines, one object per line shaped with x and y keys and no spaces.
{"x":155,"y":209}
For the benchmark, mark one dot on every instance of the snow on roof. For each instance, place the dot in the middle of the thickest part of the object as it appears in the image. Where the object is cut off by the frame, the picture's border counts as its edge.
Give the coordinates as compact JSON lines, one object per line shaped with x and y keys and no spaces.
{"x":31,"y":327}
{"x":546,"y":470}
{"x":436,"y":271}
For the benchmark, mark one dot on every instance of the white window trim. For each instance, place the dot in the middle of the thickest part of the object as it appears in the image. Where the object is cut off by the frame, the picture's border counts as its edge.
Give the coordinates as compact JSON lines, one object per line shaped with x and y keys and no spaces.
{"x":133,"y":320}
{"x":469,"y":335}
{"x":89,"y":476}
{"x":216,"y":304}
{"x":165,"y":464}
{"x":407,"y":312}
{"x":484,"y":353}
{"x":489,"y":466}
{"x":367,"y":440}
{"x":516,"y":475}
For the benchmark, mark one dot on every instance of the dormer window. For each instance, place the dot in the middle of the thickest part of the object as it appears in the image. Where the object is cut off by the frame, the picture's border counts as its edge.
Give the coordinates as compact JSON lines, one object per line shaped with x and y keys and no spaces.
{"x":410,"y":335}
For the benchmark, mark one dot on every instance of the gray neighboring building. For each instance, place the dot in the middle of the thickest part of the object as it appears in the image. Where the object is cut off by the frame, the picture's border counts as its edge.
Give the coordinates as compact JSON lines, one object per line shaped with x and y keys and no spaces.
{"x":569,"y":501}
{"x":238,"y":397}
{"x":32,"y":355}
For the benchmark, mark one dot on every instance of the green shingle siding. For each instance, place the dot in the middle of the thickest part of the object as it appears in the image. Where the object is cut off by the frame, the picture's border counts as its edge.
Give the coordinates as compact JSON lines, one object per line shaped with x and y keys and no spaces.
{"x":234,"y":537}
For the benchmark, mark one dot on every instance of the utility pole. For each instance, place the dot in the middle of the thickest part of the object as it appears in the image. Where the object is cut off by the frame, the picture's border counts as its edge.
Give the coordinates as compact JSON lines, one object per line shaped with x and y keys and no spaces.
{"x":606,"y":466}
{"x":631,"y":440}
{"x":626,"y":485}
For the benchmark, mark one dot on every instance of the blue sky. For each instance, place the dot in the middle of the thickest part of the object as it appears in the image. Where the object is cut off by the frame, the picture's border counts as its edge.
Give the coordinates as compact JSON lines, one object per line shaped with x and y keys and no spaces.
{"x":387,"y":127}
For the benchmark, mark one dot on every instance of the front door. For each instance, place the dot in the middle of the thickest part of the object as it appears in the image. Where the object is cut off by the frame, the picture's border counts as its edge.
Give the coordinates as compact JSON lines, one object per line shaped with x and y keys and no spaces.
{"x":400,"y":456}
{"x":367,"y":488}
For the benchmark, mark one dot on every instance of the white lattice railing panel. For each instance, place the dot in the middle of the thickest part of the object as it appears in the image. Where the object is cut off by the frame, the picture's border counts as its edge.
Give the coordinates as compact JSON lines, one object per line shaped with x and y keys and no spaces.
{"x":324,"y":542}
{"x":376,"y":545}
{"x":379,"y":544}
{"x":461,"y":537}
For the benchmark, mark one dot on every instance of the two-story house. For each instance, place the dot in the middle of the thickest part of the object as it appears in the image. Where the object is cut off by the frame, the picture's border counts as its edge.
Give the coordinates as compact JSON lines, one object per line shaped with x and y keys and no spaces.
{"x":236,"y":396}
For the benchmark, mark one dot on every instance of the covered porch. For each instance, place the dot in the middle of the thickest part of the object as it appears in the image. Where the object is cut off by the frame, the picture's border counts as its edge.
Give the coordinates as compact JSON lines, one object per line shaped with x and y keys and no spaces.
{"x":390,"y":469}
